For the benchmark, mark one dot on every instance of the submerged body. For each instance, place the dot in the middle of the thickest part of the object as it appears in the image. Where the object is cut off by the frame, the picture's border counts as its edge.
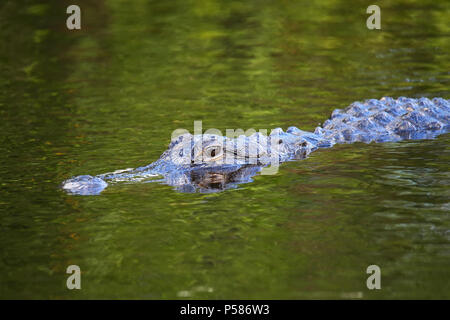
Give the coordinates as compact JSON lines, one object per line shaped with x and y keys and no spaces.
{"x":211,"y":162}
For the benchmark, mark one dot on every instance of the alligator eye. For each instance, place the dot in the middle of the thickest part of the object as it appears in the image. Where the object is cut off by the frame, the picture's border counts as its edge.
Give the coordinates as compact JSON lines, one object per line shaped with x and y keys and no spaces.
{"x":280,"y":141}
{"x":213,"y":152}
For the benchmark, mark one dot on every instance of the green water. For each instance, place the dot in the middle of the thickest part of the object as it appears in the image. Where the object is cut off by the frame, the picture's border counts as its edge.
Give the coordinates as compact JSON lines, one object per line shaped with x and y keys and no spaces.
{"x":109,"y":96}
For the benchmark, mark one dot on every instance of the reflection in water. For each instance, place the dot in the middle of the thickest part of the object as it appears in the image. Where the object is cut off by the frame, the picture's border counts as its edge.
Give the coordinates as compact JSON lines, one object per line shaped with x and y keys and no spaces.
{"x":213,"y":181}
{"x":106,"y":97}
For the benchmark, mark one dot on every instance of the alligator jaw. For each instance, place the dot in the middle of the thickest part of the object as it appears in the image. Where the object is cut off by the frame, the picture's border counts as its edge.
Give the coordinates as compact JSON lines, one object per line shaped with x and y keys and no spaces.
{"x":84,"y":185}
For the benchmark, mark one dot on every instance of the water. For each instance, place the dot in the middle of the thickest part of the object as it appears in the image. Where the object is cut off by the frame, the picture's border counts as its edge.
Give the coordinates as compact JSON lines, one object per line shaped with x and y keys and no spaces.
{"x":109,"y":96}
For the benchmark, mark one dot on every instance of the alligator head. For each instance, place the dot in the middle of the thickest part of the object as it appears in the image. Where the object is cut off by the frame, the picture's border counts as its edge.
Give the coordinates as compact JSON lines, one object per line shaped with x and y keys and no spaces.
{"x":208,"y":162}
{"x":211,"y":162}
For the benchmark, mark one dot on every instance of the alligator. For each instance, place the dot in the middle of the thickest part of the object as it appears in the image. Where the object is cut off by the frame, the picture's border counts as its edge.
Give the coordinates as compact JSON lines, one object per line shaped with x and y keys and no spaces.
{"x":209,"y":162}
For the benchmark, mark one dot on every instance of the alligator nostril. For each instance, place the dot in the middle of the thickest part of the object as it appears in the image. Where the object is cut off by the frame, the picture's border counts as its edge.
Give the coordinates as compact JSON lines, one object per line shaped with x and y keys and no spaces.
{"x":304,"y":144}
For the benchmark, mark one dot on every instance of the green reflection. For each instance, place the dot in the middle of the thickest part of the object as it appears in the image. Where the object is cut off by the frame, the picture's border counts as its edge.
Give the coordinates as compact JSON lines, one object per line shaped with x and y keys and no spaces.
{"x":109,"y":96}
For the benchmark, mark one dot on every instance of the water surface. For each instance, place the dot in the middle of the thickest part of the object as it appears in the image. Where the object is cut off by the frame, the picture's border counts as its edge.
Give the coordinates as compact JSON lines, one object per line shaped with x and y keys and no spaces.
{"x":109,"y":96}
